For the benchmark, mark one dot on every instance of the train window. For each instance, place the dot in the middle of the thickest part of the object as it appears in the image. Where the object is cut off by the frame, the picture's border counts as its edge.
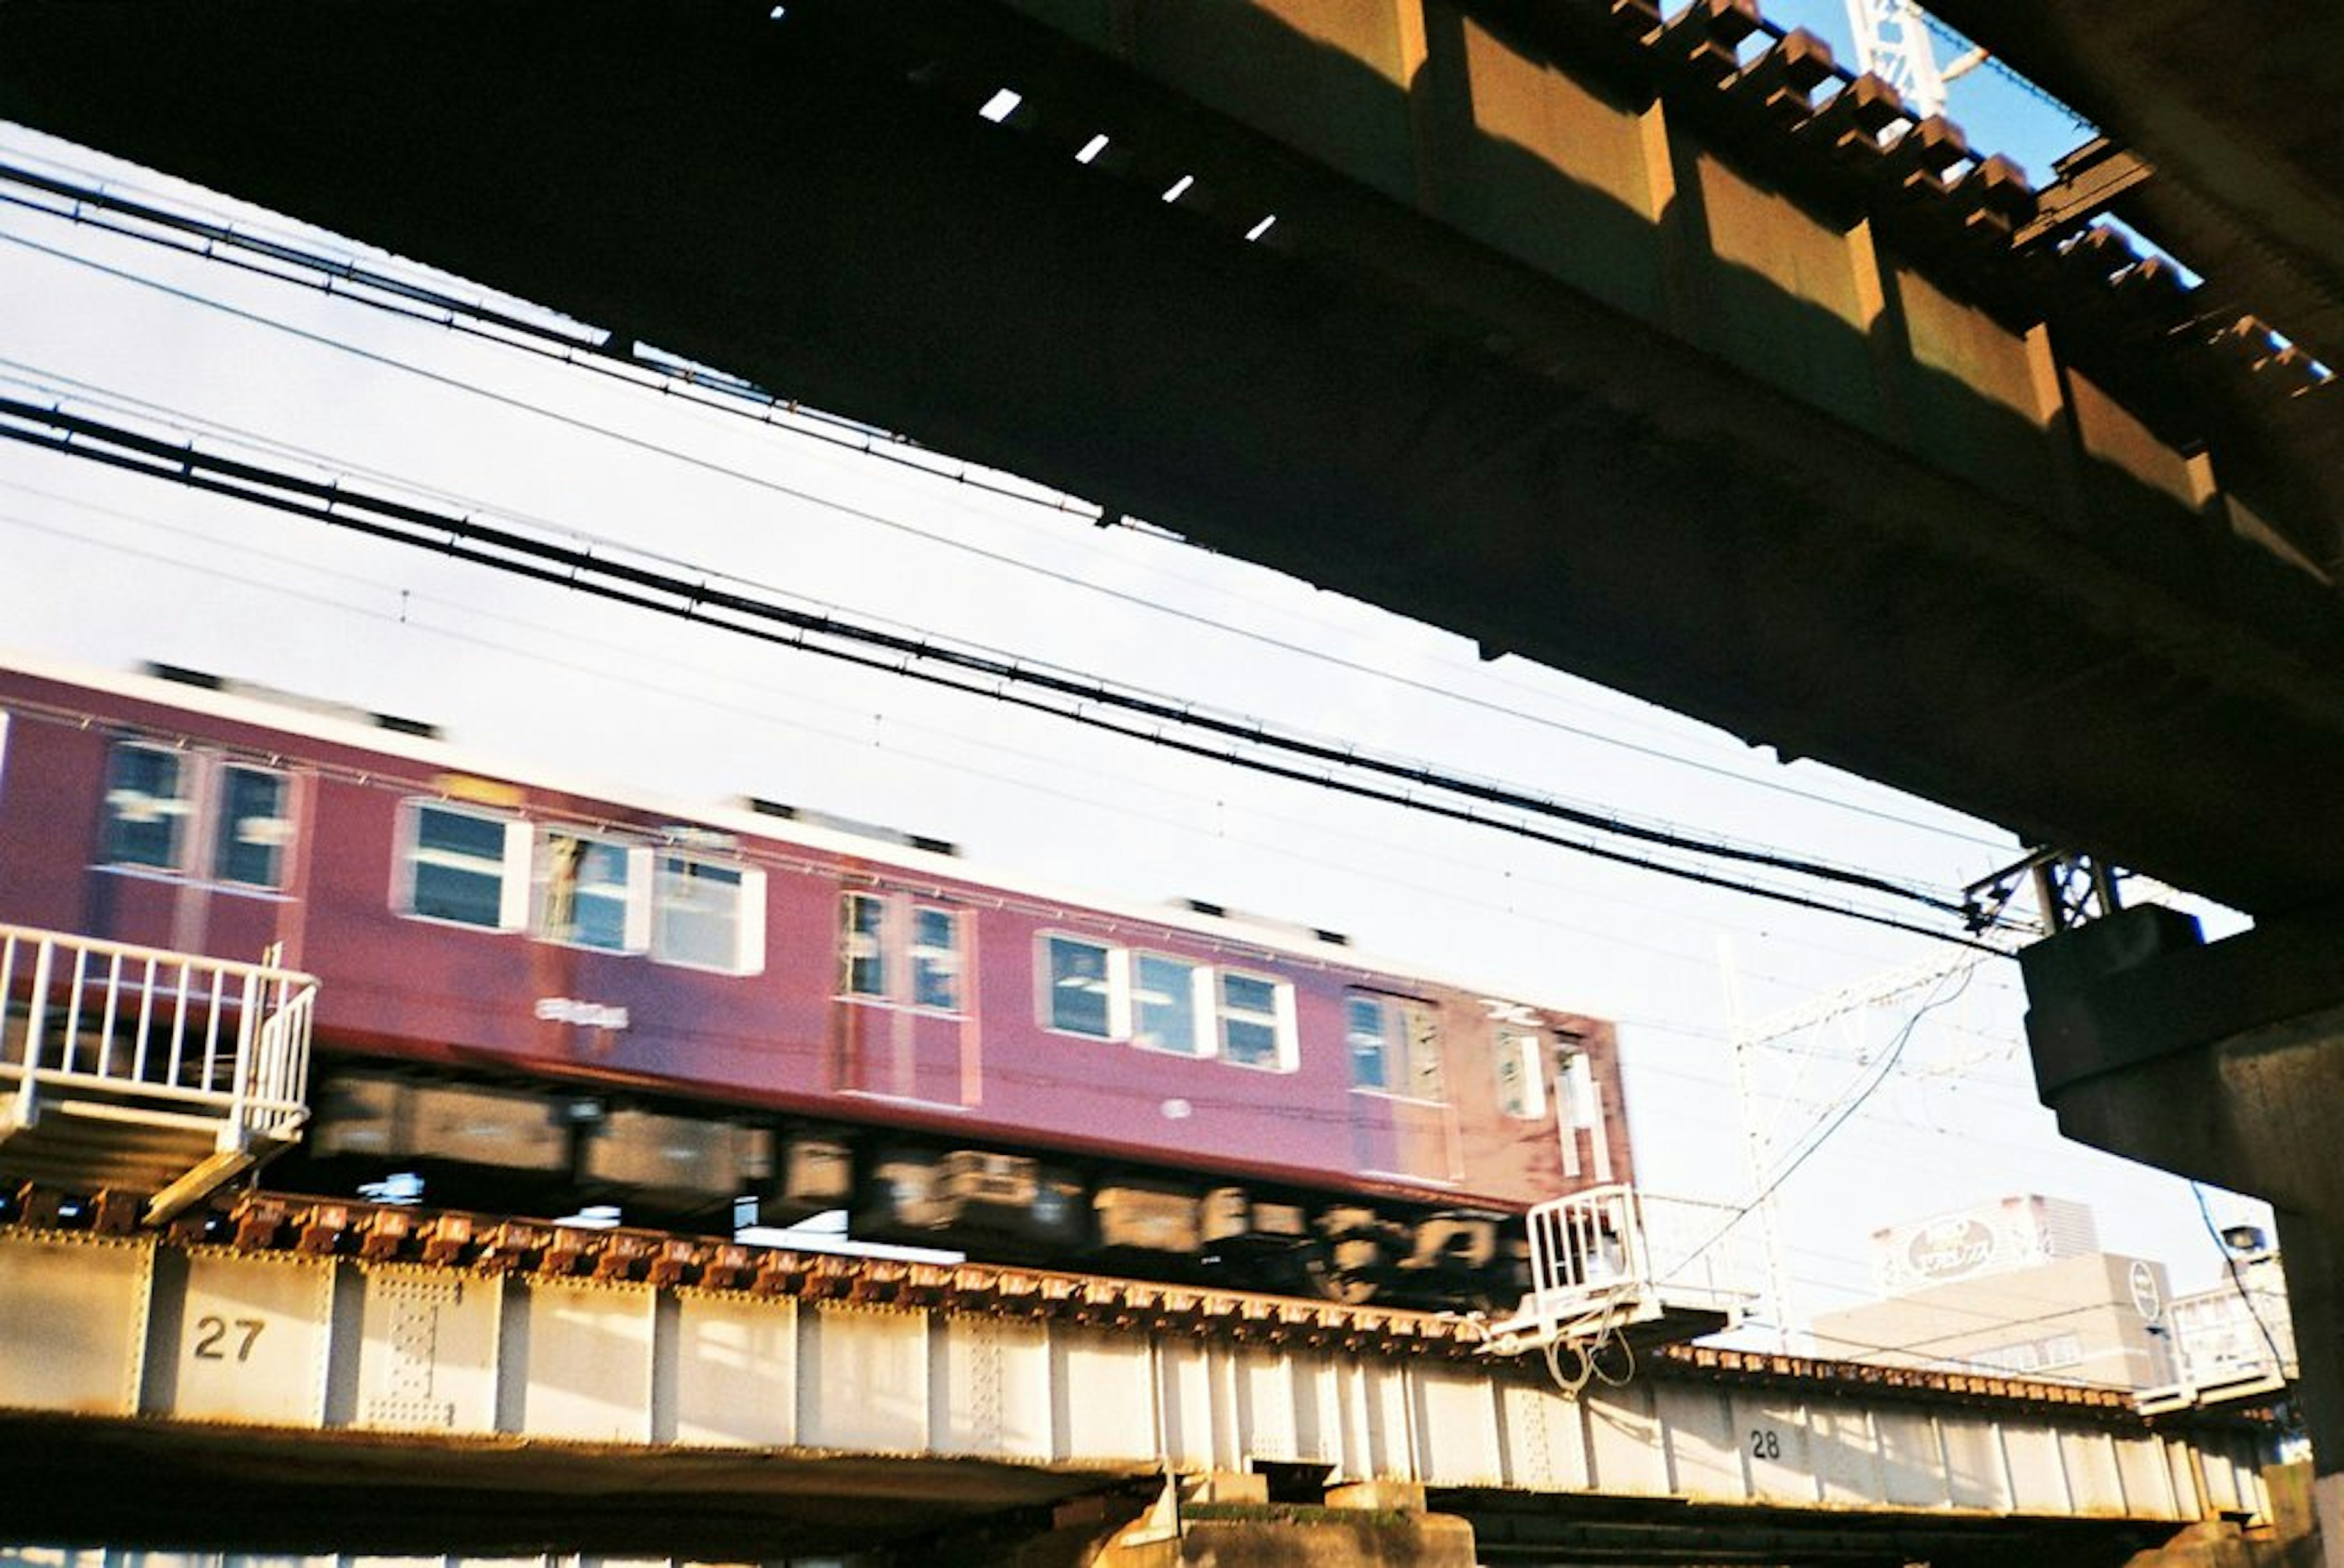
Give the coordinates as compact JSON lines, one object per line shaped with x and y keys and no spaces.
{"x":936,"y":957}
{"x":1083,"y":996}
{"x":1166,"y":1005}
{"x":862,"y":948}
{"x":466,"y":865}
{"x":253,"y":828}
{"x":1395,"y":1046}
{"x":1372,"y":1063}
{"x":1521,"y":1083}
{"x":891,"y":950}
{"x":589,"y":892}
{"x":1257,"y":1019}
{"x":147,"y":806}
{"x":707,"y":915}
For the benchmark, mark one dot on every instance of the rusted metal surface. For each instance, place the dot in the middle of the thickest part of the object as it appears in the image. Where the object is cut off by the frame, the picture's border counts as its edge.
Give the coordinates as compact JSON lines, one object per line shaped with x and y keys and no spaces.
{"x":2230,"y":113}
{"x":282,"y":1225}
{"x":535,"y":1250}
{"x":284,"y":1374}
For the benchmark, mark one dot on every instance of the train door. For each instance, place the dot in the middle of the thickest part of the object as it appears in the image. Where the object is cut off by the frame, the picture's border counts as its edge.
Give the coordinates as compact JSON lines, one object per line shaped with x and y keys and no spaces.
{"x":907,"y":1029}
{"x":195,"y":851}
{"x":1402,"y":1121}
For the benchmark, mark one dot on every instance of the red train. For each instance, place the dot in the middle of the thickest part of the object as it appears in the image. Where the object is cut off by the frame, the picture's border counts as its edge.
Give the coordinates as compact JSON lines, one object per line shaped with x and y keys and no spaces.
{"x":535,"y":995}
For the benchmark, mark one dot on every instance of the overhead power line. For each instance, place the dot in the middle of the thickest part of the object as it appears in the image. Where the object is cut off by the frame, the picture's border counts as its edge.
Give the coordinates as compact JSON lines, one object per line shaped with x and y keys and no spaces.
{"x":1157,"y":720}
{"x":409,"y":614}
{"x":551,"y":337}
{"x":1820,"y":1132}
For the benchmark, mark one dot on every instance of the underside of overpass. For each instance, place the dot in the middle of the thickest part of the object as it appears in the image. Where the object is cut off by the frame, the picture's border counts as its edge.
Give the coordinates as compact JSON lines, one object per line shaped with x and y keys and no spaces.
{"x":267,"y":1494}
{"x":1556,"y":341}
{"x":1654,"y":352}
{"x":2228,"y":112}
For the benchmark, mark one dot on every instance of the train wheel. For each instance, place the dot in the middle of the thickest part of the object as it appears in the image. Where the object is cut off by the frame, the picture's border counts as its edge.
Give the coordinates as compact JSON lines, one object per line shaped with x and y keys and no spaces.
{"x":1342,"y":1272}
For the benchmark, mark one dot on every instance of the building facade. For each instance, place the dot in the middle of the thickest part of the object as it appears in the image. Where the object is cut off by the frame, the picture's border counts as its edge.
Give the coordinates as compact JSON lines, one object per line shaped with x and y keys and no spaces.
{"x":2016,"y":1287}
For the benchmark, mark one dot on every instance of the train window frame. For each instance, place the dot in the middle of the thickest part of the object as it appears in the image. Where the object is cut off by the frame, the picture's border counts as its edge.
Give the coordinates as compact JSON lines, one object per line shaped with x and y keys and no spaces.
{"x":1354,"y":1003}
{"x":513,"y":884}
{"x":1114,"y":979}
{"x":1202,"y":989}
{"x":179,"y":807}
{"x":227,"y":829}
{"x":634,"y":895}
{"x":920,"y":962}
{"x":748,"y":933}
{"x":1404,"y":1056}
{"x":1526,"y":1050}
{"x":906,"y":962}
{"x":1279,"y":1017}
{"x":851,"y":904}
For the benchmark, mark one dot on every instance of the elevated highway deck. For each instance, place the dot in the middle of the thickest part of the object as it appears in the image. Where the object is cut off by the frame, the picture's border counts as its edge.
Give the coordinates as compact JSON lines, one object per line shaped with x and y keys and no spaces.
{"x":324,"y":1379}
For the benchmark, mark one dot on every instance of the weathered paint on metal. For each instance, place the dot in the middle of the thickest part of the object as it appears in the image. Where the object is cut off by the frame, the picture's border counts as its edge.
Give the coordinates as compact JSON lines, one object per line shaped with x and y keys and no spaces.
{"x":457,"y":1354}
{"x":78,"y":1319}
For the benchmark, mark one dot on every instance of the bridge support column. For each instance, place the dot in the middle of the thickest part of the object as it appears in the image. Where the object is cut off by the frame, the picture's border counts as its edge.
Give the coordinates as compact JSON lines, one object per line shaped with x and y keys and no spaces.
{"x":2224,"y":1062}
{"x":1373,"y":1525}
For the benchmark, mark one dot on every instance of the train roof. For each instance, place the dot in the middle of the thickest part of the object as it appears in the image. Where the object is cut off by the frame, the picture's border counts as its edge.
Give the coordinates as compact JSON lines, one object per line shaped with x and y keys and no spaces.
{"x":332,"y":724}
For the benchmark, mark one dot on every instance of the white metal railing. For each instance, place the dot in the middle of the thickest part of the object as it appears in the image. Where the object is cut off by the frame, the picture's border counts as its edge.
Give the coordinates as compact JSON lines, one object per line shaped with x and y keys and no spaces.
{"x":1609,"y":1257}
{"x":1591,"y":1240}
{"x":1703,"y":1248}
{"x":2235,"y":1341}
{"x":173,"y":1037}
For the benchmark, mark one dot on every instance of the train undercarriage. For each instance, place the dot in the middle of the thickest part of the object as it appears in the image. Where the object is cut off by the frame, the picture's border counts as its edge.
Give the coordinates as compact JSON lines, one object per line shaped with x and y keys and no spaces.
{"x":546,"y":1152}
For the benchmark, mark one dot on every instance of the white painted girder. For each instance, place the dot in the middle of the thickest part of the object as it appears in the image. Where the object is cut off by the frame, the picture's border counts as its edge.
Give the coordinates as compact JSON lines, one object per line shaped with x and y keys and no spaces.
{"x":112,"y":1327}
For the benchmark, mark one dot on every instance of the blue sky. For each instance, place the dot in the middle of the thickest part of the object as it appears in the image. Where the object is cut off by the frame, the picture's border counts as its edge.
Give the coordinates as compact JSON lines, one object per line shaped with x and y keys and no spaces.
{"x":1998,"y":111}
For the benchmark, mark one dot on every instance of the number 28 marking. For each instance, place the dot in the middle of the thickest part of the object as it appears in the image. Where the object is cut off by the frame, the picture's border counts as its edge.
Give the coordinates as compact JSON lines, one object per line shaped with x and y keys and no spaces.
{"x":212,"y":1335}
{"x":1765,"y":1443}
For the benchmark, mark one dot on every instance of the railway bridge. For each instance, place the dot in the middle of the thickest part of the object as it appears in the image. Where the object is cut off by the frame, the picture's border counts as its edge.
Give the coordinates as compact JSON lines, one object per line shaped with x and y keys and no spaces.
{"x":317,"y":1377}
{"x":1648,"y":345}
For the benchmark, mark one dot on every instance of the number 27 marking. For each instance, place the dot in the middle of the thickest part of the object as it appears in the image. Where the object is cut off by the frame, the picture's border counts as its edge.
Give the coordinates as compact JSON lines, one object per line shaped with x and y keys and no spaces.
{"x":212,"y":1333}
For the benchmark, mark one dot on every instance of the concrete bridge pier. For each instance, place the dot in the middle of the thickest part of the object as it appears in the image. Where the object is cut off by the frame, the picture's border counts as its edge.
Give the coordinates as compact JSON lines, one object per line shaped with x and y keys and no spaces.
{"x":2224,"y":1062}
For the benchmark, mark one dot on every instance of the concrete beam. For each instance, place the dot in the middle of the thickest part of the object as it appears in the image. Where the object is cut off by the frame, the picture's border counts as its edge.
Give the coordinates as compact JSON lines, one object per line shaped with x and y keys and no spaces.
{"x":2227,"y":107}
{"x":2224,"y":1062}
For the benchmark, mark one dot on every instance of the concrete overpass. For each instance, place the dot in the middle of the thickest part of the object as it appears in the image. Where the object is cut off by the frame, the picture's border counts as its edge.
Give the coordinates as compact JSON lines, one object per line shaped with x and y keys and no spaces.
{"x":2224,"y":115}
{"x":1568,"y":335}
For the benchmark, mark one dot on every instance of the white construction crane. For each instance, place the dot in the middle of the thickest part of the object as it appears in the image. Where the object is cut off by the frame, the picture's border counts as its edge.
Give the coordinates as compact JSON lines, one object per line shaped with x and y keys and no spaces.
{"x":1891,"y":41}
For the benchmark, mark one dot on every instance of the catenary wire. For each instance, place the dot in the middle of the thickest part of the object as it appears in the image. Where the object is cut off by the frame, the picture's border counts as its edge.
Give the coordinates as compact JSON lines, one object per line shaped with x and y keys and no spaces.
{"x":1301,"y":650}
{"x":1762,"y":781}
{"x":581,"y":570}
{"x":1820,"y":1133}
{"x":2237,"y":1281}
{"x":409,"y":615}
{"x":425,"y":305}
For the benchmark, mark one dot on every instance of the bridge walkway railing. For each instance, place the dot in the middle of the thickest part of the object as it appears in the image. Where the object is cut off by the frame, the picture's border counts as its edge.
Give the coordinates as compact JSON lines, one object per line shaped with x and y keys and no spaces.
{"x":144,"y":1069}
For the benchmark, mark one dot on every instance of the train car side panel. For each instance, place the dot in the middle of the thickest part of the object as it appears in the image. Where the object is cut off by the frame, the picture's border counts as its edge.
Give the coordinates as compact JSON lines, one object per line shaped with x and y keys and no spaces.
{"x":607,"y":960}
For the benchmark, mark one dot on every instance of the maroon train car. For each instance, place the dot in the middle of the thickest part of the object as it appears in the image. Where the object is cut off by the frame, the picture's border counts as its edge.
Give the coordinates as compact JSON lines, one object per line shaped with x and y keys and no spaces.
{"x":535,"y":995}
